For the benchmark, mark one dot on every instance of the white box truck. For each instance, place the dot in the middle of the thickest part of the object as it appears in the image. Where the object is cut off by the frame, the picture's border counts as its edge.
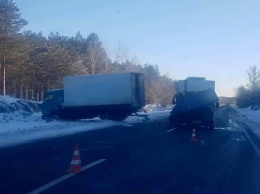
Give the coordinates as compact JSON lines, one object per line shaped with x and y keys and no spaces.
{"x":195,"y":102}
{"x":109,"y":96}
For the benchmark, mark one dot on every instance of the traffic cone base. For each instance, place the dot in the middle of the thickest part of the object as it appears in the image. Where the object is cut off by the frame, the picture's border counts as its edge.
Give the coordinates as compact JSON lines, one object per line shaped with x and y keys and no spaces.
{"x":75,"y":165}
{"x":193,"y":137}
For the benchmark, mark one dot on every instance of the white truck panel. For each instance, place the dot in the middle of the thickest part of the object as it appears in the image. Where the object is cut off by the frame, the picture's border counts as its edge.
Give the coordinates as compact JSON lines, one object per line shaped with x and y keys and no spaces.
{"x":105,"y":89}
{"x":195,"y":85}
{"x":180,"y":86}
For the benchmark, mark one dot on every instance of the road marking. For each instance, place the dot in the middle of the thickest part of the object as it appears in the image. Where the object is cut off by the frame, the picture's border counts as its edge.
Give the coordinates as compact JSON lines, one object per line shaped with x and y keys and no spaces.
{"x":241,"y":139}
{"x":63,"y":178}
{"x":171,"y":129}
{"x":219,"y":128}
{"x":252,"y":142}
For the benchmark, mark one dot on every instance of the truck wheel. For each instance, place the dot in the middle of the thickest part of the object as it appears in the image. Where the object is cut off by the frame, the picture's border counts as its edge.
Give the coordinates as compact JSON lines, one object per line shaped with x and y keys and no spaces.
{"x":114,"y":117}
{"x":56,"y":117}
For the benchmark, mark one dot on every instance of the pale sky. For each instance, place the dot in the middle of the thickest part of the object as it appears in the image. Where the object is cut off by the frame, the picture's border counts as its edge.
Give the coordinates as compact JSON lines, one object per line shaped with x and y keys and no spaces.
{"x":217,"y":39}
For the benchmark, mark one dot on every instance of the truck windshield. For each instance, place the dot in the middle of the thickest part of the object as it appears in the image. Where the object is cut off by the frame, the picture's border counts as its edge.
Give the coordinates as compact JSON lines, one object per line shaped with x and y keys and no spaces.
{"x":48,"y":97}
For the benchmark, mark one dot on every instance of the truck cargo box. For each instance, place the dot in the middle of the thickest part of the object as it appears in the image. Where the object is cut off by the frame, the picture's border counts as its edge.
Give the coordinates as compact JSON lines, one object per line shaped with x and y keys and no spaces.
{"x":104,"y":90}
{"x":194,"y":84}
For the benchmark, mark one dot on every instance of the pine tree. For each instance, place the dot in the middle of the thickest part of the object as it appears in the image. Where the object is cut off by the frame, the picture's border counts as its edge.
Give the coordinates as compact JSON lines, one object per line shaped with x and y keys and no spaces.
{"x":96,"y":56}
{"x":10,"y":24}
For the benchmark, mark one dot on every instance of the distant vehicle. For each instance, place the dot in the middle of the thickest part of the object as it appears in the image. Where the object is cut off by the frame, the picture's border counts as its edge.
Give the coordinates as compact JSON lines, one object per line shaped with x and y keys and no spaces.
{"x":108,"y":96}
{"x":195,"y":103}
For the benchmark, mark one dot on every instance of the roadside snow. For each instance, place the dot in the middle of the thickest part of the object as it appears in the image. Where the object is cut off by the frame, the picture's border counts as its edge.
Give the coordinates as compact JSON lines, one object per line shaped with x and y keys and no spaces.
{"x":253,"y":115}
{"x":8,"y":99}
{"x":19,"y":126}
{"x":251,"y":118}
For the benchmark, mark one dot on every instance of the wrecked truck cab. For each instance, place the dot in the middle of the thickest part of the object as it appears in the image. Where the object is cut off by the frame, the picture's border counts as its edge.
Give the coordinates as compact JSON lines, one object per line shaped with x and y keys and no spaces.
{"x":53,"y":101}
{"x":195,"y":103}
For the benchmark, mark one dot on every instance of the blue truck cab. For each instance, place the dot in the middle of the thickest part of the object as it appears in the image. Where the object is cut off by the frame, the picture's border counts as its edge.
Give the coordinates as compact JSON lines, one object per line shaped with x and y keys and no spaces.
{"x":52,"y":104}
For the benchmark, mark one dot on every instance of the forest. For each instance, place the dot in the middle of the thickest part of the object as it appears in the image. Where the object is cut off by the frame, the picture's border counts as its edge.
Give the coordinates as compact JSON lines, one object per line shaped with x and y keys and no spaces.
{"x":31,"y":64}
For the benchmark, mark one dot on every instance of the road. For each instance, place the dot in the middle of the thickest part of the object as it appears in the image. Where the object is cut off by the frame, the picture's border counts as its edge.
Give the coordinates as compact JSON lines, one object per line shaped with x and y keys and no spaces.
{"x":143,"y":158}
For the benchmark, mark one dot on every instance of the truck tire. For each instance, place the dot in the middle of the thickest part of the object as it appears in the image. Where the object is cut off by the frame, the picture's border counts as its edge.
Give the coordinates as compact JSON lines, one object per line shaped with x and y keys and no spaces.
{"x":114,"y":117}
{"x":56,"y":117}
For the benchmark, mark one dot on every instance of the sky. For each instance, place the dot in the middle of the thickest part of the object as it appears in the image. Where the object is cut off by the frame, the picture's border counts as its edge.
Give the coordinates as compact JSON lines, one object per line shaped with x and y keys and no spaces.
{"x":216,"y":39}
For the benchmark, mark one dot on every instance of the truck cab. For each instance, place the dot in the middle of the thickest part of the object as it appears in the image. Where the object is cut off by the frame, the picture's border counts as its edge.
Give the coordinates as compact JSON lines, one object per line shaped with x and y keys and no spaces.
{"x":53,"y":102}
{"x":195,"y":103}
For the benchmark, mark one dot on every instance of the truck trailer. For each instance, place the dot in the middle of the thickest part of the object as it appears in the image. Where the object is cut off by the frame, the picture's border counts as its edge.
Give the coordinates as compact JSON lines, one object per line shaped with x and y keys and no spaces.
{"x":195,"y":103}
{"x":108,"y":96}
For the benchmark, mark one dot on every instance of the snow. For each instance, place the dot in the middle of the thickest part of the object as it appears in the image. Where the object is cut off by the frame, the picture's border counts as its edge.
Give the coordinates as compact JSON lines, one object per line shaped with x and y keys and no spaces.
{"x":8,"y":99}
{"x":253,"y":115}
{"x":19,"y":126}
{"x":251,"y":118}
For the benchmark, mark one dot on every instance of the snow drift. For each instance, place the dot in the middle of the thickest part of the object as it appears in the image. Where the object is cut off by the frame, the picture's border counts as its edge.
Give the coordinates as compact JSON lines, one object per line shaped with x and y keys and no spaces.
{"x":20,"y":122}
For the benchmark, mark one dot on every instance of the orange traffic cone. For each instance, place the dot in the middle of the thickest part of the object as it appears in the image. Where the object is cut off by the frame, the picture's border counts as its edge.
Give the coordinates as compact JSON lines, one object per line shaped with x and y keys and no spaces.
{"x":193,"y":137}
{"x":75,"y":165}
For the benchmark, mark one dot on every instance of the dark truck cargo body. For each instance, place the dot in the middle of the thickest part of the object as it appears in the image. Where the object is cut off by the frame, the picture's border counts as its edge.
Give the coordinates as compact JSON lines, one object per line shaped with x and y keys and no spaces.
{"x":194,"y":106}
{"x":108,"y":96}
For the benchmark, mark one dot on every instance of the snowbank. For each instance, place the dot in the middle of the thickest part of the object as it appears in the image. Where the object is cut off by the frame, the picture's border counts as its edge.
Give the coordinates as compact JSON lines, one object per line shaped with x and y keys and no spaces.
{"x":157,"y":107}
{"x":9,"y":104}
{"x":253,"y":115}
{"x":20,"y":122}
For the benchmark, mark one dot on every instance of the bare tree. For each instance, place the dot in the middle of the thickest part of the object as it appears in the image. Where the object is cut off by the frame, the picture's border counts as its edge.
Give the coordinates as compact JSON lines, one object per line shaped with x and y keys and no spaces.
{"x":254,"y":79}
{"x":135,"y":60}
{"x":121,"y":53}
{"x":243,"y":97}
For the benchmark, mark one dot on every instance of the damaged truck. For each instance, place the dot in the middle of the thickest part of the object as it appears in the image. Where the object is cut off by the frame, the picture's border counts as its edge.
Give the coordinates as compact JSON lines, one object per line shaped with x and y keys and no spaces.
{"x":194,"y":103}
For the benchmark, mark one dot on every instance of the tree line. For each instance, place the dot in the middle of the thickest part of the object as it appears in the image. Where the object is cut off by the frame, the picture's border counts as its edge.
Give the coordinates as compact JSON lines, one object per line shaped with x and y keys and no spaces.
{"x":249,"y":95}
{"x":31,"y":64}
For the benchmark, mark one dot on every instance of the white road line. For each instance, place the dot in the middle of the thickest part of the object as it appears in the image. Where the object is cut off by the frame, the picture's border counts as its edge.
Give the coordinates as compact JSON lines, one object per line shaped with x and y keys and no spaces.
{"x":252,"y":142}
{"x":63,"y":178}
{"x":171,"y":130}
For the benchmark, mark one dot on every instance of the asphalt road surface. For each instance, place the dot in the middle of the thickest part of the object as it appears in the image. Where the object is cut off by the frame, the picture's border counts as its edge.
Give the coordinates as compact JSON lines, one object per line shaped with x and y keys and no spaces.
{"x":146,"y":158}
